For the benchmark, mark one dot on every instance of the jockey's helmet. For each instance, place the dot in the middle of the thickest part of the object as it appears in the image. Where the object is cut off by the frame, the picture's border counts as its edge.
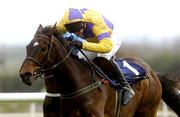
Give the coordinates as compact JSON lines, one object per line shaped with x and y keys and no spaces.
{"x":73,"y":20}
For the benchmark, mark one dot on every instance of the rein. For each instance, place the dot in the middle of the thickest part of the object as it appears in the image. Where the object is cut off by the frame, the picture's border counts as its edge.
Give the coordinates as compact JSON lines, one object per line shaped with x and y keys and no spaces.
{"x":69,"y":95}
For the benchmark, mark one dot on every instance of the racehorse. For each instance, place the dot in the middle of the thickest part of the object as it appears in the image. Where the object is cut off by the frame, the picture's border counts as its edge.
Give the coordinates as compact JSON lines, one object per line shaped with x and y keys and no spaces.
{"x":170,"y":82}
{"x":83,"y":92}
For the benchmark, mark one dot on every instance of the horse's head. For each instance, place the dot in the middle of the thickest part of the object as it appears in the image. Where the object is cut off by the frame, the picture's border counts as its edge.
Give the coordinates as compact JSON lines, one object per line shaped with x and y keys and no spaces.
{"x":41,"y":54}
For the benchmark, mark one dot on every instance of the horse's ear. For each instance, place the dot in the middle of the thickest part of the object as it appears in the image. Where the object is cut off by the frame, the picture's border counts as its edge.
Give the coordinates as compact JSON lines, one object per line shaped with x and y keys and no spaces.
{"x":39,"y":29}
{"x":54,"y":26}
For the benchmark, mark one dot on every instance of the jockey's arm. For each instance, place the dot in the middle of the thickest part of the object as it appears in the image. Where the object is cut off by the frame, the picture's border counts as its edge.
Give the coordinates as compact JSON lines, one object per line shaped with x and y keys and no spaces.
{"x":103,"y":43}
{"x":103,"y":46}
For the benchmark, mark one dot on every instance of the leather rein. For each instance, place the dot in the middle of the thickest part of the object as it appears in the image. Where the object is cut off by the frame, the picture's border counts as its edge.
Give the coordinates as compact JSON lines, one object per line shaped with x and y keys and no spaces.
{"x":77,"y":93}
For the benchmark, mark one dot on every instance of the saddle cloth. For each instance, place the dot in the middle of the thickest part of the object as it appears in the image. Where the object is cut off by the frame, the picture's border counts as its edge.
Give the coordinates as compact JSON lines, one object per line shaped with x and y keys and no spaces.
{"x":132,"y":71}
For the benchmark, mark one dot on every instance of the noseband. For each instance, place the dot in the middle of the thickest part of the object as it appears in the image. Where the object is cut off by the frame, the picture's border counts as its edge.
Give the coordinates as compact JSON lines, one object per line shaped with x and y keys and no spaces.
{"x":42,"y":70}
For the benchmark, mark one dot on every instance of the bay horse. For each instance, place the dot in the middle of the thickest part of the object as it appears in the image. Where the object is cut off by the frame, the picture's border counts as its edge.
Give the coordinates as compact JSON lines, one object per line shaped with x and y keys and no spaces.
{"x":83,"y":93}
{"x":170,"y":82}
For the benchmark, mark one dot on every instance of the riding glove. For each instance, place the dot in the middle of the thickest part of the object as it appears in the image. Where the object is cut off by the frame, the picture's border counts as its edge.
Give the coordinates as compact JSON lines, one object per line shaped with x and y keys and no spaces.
{"x":72,"y":37}
{"x":67,"y":35}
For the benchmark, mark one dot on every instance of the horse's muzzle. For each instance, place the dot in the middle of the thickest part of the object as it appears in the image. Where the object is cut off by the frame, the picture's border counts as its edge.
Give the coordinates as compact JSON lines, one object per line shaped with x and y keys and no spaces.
{"x":26,"y":76}
{"x":29,"y":77}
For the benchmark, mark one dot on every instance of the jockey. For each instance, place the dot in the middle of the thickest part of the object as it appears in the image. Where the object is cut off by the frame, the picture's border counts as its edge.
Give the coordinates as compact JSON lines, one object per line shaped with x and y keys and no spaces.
{"x":92,"y":32}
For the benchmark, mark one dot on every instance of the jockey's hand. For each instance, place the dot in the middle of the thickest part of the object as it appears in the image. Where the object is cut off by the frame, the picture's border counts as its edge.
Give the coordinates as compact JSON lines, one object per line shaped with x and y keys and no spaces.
{"x":72,"y":37}
{"x":77,"y":44}
{"x":67,"y":36}
{"x":76,"y":38}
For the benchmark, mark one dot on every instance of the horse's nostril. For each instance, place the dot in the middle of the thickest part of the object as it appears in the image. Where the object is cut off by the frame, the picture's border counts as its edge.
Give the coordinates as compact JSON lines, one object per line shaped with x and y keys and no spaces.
{"x":37,"y":71}
{"x":25,"y":75}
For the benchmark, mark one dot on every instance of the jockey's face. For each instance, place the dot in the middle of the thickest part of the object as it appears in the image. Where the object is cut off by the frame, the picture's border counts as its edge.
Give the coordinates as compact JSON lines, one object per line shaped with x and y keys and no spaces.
{"x":79,"y":33}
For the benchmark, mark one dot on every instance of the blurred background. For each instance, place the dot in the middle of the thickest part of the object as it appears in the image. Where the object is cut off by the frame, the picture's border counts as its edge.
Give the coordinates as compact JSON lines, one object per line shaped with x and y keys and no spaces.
{"x":149,"y":30}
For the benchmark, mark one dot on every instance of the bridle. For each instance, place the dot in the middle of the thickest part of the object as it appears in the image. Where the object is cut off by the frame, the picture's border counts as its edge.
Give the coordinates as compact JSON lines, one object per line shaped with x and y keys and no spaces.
{"x":42,"y":69}
{"x":74,"y":94}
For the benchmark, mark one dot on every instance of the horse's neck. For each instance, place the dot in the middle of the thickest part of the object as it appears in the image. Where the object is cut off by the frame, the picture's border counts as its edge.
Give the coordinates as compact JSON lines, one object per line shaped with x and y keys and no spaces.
{"x":51,"y":83}
{"x":74,"y":75}
{"x":71,"y":73}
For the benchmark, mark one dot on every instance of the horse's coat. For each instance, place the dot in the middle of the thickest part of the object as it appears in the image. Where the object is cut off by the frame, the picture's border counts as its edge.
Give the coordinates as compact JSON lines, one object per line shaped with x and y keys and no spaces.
{"x":70,"y":75}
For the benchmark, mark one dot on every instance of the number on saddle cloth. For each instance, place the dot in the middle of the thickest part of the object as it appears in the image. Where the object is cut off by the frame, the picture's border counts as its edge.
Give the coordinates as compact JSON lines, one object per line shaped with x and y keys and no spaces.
{"x":132,"y":71}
